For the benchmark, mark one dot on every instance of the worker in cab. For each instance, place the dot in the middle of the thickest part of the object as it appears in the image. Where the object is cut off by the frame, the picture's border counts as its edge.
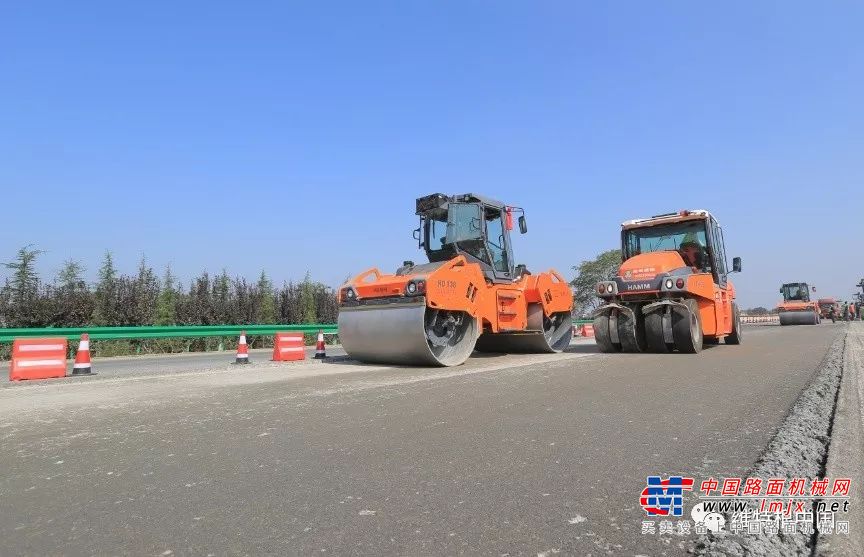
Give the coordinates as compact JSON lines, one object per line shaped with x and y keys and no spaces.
{"x":691,"y":251}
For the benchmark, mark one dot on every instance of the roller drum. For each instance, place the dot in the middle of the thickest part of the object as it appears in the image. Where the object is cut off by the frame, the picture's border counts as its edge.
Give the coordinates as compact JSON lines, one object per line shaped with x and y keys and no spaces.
{"x":798,"y":318}
{"x":544,"y":335}
{"x":406,"y":334}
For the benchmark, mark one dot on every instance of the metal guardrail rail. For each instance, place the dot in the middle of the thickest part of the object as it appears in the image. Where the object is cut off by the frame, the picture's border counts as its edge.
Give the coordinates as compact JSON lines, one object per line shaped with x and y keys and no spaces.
{"x":173,"y":331}
{"x":170,"y":331}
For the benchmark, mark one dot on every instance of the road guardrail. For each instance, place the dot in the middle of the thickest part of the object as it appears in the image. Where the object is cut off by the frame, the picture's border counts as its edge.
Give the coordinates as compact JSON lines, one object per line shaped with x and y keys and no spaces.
{"x":173,"y":331}
{"x":157,"y":331}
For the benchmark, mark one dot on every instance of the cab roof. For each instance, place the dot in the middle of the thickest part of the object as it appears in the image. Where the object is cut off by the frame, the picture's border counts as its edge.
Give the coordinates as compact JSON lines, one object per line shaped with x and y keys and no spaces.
{"x":440,"y":201}
{"x":666,"y":218}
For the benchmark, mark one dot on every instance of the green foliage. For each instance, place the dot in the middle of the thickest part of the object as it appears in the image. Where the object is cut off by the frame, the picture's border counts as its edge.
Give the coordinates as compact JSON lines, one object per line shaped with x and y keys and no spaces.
{"x":588,"y":274}
{"x":73,"y":300}
{"x":71,"y":276}
{"x":166,"y":303}
{"x":265,"y":301}
{"x":25,"y":281}
{"x":221,"y":296}
{"x":142,"y":299}
{"x":143,"y":296}
{"x":307,"y":300}
{"x":19,"y":302}
{"x":106,"y":303}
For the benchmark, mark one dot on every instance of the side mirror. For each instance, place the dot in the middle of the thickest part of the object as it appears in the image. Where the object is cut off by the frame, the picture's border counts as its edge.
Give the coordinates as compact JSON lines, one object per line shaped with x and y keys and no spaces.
{"x":814,"y":289}
{"x":736,"y":266}
{"x":523,"y":225}
{"x":781,"y":290}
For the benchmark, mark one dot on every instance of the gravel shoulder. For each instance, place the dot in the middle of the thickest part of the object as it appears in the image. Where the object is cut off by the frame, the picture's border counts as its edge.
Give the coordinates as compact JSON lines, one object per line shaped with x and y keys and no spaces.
{"x":846,"y":451}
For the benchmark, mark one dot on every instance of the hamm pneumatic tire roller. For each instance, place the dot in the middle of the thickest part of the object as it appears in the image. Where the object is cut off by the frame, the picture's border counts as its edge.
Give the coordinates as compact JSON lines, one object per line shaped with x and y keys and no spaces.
{"x":470,"y":296}
{"x":672,"y":290}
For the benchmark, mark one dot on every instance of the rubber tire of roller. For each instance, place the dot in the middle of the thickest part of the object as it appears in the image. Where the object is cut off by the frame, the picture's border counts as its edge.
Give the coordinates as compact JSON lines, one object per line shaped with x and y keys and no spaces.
{"x":654,"y":333}
{"x":687,"y":329}
{"x":602,"y":336}
{"x":639,"y":344}
{"x":735,"y":336}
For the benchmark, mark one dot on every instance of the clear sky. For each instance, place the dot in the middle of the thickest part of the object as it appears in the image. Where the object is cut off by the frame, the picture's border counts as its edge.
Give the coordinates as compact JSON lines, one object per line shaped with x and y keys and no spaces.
{"x":295,"y":136}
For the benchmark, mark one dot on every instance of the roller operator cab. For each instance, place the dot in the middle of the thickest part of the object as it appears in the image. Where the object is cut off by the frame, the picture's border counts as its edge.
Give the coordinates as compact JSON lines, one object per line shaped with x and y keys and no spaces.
{"x":469,"y":296}
{"x":797,"y":307}
{"x":672,"y":291}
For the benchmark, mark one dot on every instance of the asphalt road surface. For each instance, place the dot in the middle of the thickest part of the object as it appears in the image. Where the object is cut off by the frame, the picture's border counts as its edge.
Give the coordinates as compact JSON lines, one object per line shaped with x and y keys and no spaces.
{"x":504,"y":455}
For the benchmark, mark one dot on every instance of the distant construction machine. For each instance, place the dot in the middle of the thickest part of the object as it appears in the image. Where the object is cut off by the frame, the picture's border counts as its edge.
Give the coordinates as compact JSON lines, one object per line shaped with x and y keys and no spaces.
{"x":672,"y":291}
{"x":469,"y":296}
{"x":828,"y":309}
{"x":797,"y":308}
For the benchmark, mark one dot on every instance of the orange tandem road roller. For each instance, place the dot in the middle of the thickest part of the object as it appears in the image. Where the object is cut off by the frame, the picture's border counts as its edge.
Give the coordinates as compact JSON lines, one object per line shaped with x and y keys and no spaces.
{"x":469,"y":296}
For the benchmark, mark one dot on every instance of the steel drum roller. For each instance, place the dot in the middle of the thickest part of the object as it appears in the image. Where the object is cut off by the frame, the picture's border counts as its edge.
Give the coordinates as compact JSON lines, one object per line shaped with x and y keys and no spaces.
{"x":544,"y":335}
{"x":407,"y":334}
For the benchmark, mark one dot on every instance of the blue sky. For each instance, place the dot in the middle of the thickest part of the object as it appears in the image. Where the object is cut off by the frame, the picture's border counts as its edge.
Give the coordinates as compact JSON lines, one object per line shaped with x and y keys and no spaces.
{"x":295,"y":136}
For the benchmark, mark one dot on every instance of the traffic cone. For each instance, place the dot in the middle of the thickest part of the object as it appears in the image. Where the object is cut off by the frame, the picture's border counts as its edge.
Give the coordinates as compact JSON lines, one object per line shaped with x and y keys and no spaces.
{"x":242,"y":350}
{"x":82,"y":357}
{"x":320,"y":350}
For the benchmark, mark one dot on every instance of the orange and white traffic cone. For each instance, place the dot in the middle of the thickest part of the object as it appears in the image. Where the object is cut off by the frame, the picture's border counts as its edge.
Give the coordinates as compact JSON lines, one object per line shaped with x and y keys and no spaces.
{"x":242,"y":350}
{"x":320,"y":349}
{"x":82,"y":357}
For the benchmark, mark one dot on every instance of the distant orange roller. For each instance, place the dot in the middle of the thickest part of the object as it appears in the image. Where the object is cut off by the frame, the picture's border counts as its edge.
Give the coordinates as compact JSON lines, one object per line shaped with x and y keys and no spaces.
{"x":797,"y":308}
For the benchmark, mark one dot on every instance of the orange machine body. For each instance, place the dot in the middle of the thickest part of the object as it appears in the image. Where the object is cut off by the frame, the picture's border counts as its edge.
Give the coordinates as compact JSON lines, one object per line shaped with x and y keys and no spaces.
{"x":469,"y":296}
{"x":655,"y":288}
{"x":459,"y":285}
{"x":797,"y":308}
{"x":797,"y":305}
{"x":715,"y":301}
{"x":826,"y":305}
